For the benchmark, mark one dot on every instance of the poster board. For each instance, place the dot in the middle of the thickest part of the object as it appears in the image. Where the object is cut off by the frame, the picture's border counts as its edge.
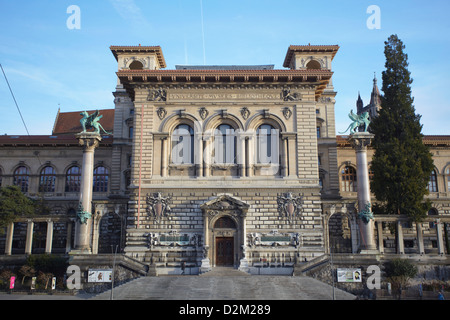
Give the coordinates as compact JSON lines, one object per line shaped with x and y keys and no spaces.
{"x":99,"y":276}
{"x":349,"y":275}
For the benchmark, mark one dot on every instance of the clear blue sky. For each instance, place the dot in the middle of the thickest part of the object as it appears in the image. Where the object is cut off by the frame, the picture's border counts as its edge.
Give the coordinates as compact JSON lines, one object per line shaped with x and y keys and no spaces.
{"x":50,"y":66}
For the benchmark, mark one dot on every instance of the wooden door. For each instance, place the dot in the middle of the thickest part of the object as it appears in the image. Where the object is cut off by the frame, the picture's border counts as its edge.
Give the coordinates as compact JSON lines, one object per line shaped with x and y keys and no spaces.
{"x":224,"y":251}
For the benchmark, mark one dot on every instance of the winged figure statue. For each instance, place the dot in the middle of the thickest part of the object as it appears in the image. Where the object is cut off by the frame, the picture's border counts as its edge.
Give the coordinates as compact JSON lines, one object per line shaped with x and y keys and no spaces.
{"x":92,"y":121}
{"x":358,"y":120}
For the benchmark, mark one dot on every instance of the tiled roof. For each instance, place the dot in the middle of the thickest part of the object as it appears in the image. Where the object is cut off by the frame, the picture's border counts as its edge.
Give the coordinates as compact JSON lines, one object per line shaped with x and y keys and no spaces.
{"x":69,"y":122}
{"x":41,"y":141}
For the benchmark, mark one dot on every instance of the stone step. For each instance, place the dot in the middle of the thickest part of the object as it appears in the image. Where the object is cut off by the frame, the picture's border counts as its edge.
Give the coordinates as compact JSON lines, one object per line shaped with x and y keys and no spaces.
{"x":210,"y":287}
{"x":224,"y":272}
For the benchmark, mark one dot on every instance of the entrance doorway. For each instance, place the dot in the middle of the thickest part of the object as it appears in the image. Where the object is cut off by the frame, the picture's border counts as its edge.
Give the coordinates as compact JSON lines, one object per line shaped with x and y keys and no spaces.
{"x":225,"y":251}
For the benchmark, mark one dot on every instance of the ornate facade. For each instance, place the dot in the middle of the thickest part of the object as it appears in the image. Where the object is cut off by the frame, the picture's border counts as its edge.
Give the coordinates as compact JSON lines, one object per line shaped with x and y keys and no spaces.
{"x":209,"y":166}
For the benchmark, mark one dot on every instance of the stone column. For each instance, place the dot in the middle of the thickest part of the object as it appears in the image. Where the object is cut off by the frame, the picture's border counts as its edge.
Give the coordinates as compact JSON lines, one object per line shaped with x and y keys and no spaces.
{"x":96,"y":218}
{"x":284,"y":157}
{"x":420,"y":238}
{"x":49,"y":239}
{"x":29,"y":239}
{"x":250,"y":155}
{"x":241,"y":155}
{"x":9,"y":239}
{"x":83,"y":227}
{"x":380,"y":236}
{"x":205,"y":263}
{"x":440,"y":237}
{"x":164,"y":157}
{"x":400,"y":243}
{"x":69,"y":236}
{"x":360,"y":141}
{"x":198,"y":156}
{"x":207,"y":154}
{"x":243,"y":263}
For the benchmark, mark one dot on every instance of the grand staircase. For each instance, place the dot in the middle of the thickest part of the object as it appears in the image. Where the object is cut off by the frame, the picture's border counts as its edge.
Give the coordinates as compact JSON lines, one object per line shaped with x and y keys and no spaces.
{"x":225,"y":272}
{"x":223,"y":283}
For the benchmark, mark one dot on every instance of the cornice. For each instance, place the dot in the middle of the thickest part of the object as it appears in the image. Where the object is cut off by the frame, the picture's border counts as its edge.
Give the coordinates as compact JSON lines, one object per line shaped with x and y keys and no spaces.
{"x":317,"y":79}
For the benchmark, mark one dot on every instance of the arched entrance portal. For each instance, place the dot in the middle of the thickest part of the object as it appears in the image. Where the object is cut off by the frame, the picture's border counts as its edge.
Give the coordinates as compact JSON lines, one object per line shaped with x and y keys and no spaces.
{"x":224,"y":233}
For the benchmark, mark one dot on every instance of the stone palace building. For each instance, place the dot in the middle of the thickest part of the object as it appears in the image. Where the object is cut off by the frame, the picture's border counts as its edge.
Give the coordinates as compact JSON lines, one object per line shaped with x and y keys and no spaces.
{"x":214,"y":166}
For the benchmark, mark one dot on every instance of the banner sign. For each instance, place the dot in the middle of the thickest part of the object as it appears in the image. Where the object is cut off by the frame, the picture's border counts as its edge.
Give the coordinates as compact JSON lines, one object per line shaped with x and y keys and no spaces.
{"x":99,"y":275}
{"x":349,"y":275}
{"x":11,"y":282}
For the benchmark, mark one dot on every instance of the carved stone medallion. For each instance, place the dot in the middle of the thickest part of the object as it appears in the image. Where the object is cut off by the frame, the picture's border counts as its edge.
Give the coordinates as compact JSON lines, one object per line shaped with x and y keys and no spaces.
{"x":158,"y":206}
{"x":203,"y":113}
{"x":289,"y":207}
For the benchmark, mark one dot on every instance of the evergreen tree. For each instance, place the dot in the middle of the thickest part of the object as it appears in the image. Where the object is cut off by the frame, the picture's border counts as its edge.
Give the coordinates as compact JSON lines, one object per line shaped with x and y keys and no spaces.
{"x":402,"y":164}
{"x":13,"y":204}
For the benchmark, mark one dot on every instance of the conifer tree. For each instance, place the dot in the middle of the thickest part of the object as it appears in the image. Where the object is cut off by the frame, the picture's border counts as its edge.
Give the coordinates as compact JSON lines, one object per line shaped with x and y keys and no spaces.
{"x":14,"y":204}
{"x":402,"y":163}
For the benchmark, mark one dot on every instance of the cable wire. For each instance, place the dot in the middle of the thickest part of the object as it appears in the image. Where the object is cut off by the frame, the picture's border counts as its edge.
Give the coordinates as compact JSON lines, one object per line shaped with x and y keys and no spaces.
{"x":14,"y":98}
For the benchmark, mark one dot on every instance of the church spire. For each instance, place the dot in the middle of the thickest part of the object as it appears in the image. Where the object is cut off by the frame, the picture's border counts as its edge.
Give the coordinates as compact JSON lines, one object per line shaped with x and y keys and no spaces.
{"x":375,"y":97}
{"x":359,"y":104}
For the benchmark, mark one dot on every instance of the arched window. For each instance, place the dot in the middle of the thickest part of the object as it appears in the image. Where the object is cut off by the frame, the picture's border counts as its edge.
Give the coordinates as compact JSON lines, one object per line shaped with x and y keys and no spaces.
{"x":73,"y":179}
{"x":267,"y":144}
{"x":313,"y":64}
{"x":432,"y":184}
{"x":224,"y":144}
{"x":447,"y":174}
{"x":348,"y":179}
{"x":183,"y":144}
{"x":136,"y":65}
{"x":101,"y":176}
{"x":21,"y":178}
{"x":47,"y":180}
{"x":225,"y":223}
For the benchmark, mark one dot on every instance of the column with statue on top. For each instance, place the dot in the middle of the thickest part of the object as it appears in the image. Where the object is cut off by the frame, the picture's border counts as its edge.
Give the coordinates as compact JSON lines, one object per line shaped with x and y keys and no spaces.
{"x":360,"y":139}
{"x":89,"y":141}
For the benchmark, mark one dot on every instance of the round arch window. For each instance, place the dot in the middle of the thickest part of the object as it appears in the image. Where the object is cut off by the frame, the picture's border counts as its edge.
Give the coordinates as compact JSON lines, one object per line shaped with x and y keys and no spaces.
{"x":313,"y":64}
{"x":136,"y":65}
{"x":225,"y":223}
